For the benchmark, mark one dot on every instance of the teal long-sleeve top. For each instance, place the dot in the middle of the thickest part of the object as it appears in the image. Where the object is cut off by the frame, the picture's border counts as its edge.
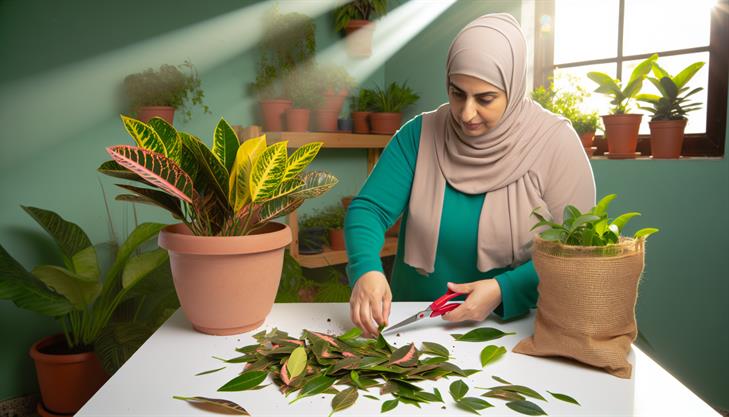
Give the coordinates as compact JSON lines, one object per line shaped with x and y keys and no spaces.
{"x":385,"y":196}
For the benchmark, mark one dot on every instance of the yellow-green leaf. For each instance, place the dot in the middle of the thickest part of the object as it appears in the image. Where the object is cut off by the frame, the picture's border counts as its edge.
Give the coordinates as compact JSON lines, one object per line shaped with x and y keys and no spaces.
{"x":78,"y":290}
{"x":297,"y":362}
{"x":300,"y":159}
{"x":246,"y":156}
{"x":85,"y":264}
{"x":491,"y":353}
{"x":169,"y":136}
{"x":144,"y":135}
{"x":139,"y":266}
{"x":268,"y":172}
{"x":225,"y":144}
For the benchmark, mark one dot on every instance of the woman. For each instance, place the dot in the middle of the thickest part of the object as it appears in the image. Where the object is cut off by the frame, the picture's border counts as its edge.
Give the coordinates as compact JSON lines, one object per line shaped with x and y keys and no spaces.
{"x":466,"y":177}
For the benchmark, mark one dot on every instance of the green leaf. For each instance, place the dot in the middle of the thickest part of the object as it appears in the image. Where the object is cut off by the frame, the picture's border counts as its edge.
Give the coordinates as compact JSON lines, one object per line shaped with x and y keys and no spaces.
{"x":210,"y":371}
{"x":225,"y":144}
{"x":344,"y":399}
{"x":113,"y":169}
{"x":502,"y":380}
{"x":564,"y":397}
{"x":85,"y":264}
{"x":644,"y":233}
{"x":623,"y":219}
{"x":503,"y":395}
{"x":482,"y":334}
{"x":458,"y":389}
{"x":583,"y":219}
{"x":153,"y":197}
{"x":244,"y":381}
{"x":389,"y":405}
{"x":297,"y":362}
{"x":602,"y":205}
{"x":521,"y":390}
{"x":316,"y":183}
{"x":641,"y":70}
{"x":69,"y":237}
{"x":143,"y":135}
{"x":371,"y":397}
{"x":352,"y":333}
{"x":169,"y":137}
{"x":268,"y":172}
{"x":78,"y":290}
{"x":526,"y":407}
{"x":473,"y":404}
{"x":405,"y":356}
{"x":300,"y":159}
{"x":606,"y":83}
{"x":314,"y":386}
{"x":435,"y":349}
{"x":491,"y":353}
{"x":139,"y":266}
{"x":228,"y":406}
{"x":687,"y":73}
{"x":553,"y":234}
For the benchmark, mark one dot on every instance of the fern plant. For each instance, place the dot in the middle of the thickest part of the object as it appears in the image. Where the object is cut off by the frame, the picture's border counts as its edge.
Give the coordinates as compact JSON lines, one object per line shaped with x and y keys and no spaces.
{"x":358,"y":10}
{"x":230,"y":189}
{"x":393,"y":99}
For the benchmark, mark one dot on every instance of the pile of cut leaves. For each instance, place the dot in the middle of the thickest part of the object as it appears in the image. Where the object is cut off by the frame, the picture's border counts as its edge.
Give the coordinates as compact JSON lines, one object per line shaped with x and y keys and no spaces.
{"x":315,"y":363}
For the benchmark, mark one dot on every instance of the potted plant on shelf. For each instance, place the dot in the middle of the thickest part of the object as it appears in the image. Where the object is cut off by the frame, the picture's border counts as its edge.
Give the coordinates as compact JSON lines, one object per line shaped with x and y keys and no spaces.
{"x":312,"y":234}
{"x":621,"y":127}
{"x":669,"y":110}
{"x":336,"y":83}
{"x":305,"y":94}
{"x":361,"y":110}
{"x":387,"y":106}
{"x":227,"y":253}
{"x":159,"y":93}
{"x":287,"y":41}
{"x":76,"y":295}
{"x":354,"y":18}
{"x":588,"y":284}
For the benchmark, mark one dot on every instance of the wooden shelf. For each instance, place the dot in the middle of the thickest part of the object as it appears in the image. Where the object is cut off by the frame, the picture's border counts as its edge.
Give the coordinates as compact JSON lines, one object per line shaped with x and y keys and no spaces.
{"x":336,"y":257}
{"x":331,"y":139}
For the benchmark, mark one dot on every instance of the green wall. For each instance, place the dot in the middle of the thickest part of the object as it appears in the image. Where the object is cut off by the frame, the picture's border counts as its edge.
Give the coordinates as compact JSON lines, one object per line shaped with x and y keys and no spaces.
{"x":50,"y":162}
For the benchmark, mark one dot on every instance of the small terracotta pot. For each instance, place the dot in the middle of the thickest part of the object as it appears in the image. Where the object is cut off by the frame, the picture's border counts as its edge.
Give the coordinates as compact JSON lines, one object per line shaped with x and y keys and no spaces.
{"x":622,"y":133}
{"x":273,"y":112}
{"x":385,"y":123}
{"x":334,"y":100}
{"x":226,"y":285}
{"x":667,"y":138}
{"x":359,"y":38}
{"x":336,"y":239}
{"x":164,"y":112}
{"x":297,"y":120}
{"x":346,"y":201}
{"x":66,"y":381}
{"x":326,"y":120}
{"x":587,"y":138}
{"x":360,"y":121}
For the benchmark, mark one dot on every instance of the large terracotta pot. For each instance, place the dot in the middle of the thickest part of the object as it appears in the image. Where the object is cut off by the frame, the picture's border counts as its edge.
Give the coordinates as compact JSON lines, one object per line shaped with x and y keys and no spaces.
{"x":297,"y":120}
{"x":226,"y":285}
{"x":164,"y":112}
{"x":360,"y":121}
{"x":326,"y":120}
{"x":622,"y":134}
{"x":667,"y":138}
{"x":273,"y":112}
{"x":385,"y":123}
{"x":359,"y":38}
{"x":66,"y":381}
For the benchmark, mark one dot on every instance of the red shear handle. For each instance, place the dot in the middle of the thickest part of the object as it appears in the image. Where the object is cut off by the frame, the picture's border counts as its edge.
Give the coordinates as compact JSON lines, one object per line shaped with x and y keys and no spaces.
{"x":439,"y":306}
{"x":444,"y":309}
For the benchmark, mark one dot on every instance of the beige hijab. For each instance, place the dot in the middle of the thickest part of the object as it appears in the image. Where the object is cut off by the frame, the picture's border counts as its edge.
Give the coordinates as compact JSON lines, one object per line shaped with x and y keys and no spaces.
{"x":491,"y":48}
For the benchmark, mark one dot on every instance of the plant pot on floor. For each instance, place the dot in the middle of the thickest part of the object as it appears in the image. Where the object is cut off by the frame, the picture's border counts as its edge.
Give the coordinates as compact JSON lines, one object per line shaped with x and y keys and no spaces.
{"x":226,"y":285}
{"x":360,"y":121}
{"x":164,"y":112}
{"x":385,"y":123}
{"x":326,"y":120}
{"x":273,"y":112}
{"x":66,"y":380}
{"x":667,"y":138}
{"x":336,"y":239}
{"x":622,"y":134}
{"x":359,"y":38}
{"x":297,"y":120}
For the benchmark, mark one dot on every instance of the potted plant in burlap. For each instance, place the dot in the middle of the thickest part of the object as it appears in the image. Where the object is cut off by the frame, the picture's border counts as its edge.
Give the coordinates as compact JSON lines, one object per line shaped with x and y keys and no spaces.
{"x":588,"y":287}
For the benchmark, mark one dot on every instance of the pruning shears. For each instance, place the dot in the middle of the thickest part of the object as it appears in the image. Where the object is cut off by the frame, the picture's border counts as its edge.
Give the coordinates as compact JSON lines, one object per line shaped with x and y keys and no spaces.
{"x":437,"y":308}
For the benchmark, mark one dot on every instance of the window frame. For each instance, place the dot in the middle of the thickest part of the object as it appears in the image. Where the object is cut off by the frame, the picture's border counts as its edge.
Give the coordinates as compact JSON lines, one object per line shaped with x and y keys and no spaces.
{"x":708,"y":144}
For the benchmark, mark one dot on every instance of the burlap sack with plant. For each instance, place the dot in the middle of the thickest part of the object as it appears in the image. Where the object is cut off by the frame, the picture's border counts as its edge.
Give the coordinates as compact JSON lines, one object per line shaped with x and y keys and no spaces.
{"x":586,"y":307}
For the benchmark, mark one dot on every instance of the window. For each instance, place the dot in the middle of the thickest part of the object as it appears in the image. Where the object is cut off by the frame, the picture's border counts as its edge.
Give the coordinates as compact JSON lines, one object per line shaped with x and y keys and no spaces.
{"x":574,"y":37}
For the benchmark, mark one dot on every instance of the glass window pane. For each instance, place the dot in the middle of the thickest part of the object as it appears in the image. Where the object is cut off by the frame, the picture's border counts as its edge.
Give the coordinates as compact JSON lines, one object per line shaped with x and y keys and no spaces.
{"x":664,"y":25}
{"x":568,"y":78}
{"x":585,"y":30}
{"x":674,"y":65}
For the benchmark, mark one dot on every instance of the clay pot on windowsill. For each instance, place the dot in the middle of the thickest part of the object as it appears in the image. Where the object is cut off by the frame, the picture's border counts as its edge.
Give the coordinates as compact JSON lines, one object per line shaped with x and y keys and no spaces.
{"x":622,"y":134}
{"x":667,"y":138}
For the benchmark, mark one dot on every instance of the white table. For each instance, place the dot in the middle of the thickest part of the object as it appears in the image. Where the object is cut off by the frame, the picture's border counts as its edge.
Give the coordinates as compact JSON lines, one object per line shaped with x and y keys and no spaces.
{"x":166,"y":364}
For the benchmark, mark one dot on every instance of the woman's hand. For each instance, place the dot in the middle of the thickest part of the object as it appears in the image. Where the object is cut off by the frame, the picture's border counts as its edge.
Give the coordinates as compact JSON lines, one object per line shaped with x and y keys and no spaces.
{"x":483,"y":297}
{"x":370,"y":302}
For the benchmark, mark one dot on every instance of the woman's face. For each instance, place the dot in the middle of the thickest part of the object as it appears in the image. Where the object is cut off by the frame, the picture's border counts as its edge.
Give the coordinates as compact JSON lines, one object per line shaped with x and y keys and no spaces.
{"x":475,"y":104}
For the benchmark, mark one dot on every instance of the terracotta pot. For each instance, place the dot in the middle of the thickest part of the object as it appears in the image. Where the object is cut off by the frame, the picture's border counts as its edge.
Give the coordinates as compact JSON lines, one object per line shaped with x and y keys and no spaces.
{"x":273,"y":112}
{"x":346,"y":201}
{"x":360,"y":121}
{"x":334,"y":100}
{"x":336,"y":239}
{"x":297,"y":120}
{"x":326,"y":120}
{"x":385,"y":123}
{"x":164,"y":112}
{"x":66,"y":381}
{"x":394,"y":230}
{"x":359,"y":38}
{"x":622,"y":133}
{"x":590,"y":150}
{"x":226,"y":285}
{"x":667,"y":138}
{"x":587,"y":138}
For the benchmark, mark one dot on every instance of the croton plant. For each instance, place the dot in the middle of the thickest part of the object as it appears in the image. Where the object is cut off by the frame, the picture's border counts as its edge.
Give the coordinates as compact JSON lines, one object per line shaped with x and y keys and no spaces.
{"x":231,"y":189}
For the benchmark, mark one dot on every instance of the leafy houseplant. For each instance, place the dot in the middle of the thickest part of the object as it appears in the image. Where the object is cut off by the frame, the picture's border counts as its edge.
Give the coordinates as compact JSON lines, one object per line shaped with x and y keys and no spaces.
{"x":226,"y":198}
{"x":305,"y":93}
{"x":387,"y":105}
{"x":621,"y":127}
{"x":76,"y":295}
{"x":588,"y":277}
{"x":361,"y":108}
{"x":355,"y":17}
{"x":669,"y":109}
{"x":171,"y":87}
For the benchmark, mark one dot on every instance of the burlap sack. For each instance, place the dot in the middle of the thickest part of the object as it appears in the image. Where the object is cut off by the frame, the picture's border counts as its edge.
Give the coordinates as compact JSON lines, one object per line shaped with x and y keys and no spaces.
{"x":586,"y":307}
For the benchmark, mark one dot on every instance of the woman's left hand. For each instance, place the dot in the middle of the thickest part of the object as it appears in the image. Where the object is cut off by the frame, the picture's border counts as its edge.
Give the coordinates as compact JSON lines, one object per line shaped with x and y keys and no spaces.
{"x":483,"y":297}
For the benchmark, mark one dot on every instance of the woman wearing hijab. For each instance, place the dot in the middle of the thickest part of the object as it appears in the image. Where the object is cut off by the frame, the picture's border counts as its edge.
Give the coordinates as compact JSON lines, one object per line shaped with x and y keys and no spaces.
{"x":465,"y":177}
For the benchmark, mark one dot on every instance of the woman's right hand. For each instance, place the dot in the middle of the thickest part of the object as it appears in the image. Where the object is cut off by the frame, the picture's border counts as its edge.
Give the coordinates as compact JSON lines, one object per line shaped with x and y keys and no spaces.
{"x":369,"y":304}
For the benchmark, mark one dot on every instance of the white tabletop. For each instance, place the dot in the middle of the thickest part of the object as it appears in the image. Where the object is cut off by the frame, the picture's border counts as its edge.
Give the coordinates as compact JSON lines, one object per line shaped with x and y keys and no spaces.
{"x":167,"y":363}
